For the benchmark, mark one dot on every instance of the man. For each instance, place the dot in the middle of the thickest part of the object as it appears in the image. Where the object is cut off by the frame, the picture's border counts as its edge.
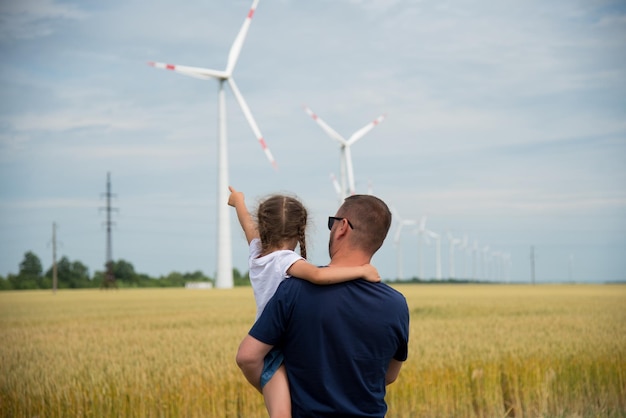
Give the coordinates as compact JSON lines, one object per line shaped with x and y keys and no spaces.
{"x":342,"y":343}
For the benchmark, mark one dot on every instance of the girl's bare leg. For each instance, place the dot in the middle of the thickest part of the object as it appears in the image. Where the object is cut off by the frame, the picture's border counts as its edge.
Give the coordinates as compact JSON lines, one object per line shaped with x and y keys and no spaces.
{"x":276,"y":394}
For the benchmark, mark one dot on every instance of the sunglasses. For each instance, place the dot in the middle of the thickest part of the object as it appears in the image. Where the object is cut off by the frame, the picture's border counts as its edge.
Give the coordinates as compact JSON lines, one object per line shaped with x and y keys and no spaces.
{"x":332,"y":219}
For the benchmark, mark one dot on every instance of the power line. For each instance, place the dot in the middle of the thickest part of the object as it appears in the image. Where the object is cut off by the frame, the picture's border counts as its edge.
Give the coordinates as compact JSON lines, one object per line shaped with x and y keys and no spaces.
{"x":109,"y":277}
{"x":532,"y":264}
{"x":54,"y":258}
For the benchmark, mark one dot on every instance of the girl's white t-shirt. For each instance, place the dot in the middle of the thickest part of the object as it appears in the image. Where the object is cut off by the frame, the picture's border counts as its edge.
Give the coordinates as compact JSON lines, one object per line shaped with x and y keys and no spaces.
{"x":267,"y":272}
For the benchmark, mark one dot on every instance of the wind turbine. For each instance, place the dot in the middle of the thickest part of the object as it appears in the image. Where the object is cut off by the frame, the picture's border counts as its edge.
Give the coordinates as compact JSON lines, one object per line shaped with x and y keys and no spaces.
{"x":496,"y":257}
{"x":465,"y":247}
{"x":485,"y":251}
{"x":453,"y":243}
{"x":437,"y":238}
{"x":475,"y":260}
{"x":337,"y":187}
{"x":421,"y":236}
{"x":224,"y":277}
{"x":400,"y":223}
{"x":347,"y":172}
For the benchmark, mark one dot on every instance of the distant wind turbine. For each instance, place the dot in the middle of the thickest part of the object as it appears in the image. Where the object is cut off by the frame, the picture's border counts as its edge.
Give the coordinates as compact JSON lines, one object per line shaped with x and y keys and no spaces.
{"x":496,"y":263}
{"x":224,"y":277}
{"x":453,"y":243}
{"x":437,"y":239}
{"x":475,"y":260}
{"x":347,"y":172}
{"x":421,"y":237}
{"x":485,"y":251}
{"x":506,"y":261}
{"x":400,"y":223}
{"x":337,"y":187}
{"x":464,"y":246}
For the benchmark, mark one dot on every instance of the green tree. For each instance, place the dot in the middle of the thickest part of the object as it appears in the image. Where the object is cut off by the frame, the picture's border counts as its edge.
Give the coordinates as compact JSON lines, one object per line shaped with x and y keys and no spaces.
{"x":240,"y":279}
{"x":31,"y":265}
{"x":174,"y":279}
{"x":29,"y":276}
{"x":70,"y":274}
{"x":125,"y":272}
{"x":5,"y":283}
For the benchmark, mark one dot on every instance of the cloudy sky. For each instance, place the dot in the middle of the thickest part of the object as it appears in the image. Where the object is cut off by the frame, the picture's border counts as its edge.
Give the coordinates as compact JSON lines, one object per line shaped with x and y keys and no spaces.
{"x":506,"y":123}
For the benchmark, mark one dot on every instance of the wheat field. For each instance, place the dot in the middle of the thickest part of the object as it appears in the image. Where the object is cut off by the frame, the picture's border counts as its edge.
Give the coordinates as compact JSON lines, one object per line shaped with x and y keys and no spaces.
{"x":474,"y":351}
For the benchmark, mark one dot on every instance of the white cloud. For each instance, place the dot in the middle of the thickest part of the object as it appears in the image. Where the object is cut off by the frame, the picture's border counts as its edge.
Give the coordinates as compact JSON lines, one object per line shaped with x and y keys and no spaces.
{"x":48,"y":203}
{"x":28,"y":19}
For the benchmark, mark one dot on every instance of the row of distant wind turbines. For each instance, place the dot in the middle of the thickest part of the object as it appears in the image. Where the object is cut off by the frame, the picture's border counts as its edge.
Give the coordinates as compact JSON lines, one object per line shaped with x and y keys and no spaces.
{"x":486,"y":264}
{"x":344,"y":187}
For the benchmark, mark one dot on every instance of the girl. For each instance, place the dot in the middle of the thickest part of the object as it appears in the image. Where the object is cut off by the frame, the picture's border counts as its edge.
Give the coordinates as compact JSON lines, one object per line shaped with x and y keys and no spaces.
{"x":280,"y":227}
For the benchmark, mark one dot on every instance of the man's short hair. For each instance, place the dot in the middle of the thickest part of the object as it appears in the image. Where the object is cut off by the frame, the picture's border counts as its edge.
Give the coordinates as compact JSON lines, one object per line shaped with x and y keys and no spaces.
{"x":371,"y":219}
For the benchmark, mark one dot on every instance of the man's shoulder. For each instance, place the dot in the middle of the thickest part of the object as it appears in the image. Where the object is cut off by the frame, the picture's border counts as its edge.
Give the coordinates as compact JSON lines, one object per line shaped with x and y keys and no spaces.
{"x":391,"y":293}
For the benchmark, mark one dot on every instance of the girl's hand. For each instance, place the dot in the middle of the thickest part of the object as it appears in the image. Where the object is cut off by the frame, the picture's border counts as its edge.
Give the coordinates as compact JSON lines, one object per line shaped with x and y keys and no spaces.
{"x":235,"y":197}
{"x":370,"y":273}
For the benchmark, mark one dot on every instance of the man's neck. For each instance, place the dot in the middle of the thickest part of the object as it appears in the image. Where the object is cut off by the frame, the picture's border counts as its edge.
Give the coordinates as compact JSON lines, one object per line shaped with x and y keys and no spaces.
{"x":354,"y":258}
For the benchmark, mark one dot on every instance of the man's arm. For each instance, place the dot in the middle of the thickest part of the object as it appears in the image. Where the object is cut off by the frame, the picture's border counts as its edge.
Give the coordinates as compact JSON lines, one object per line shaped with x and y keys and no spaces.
{"x":250,"y":358}
{"x":393,"y":371}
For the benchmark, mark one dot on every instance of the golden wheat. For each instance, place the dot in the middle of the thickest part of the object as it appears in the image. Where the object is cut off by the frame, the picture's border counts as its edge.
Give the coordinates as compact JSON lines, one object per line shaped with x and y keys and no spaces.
{"x":475,"y":350}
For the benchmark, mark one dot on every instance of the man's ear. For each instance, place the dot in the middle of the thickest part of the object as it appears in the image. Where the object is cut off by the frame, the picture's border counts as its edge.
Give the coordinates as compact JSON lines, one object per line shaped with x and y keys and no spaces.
{"x":342,"y":229}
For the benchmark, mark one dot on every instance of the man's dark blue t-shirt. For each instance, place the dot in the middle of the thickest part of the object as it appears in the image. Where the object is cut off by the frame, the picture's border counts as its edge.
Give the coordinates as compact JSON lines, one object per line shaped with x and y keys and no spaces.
{"x":337,"y":341}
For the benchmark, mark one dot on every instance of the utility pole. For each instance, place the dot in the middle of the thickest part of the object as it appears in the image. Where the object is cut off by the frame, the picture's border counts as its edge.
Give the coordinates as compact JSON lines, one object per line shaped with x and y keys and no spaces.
{"x":532,"y":264}
{"x":54,"y":258}
{"x":109,"y":278}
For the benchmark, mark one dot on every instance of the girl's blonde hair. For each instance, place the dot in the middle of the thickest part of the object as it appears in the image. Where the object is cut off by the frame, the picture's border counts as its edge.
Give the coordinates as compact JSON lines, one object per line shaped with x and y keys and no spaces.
{"x":281,"y":219}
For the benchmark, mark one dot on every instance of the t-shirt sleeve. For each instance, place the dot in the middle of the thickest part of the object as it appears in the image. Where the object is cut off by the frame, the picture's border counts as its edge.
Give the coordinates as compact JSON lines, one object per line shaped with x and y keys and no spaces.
{"x":254,"y":249}
{"x":286,"y":260}
{"x":401,"y":353}
{"x":270,"y":327}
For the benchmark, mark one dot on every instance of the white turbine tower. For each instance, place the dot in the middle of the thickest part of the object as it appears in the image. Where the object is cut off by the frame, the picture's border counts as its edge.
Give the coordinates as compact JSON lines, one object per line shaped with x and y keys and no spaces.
{"x":506,"y":265}
{"x":467,"y":250}
{"x":475,"y":260}
{"x":224,"y":277}
{"x":496,"y":257}
{"x":347,"y":172}
{"x":400,"y":223}
{"x":421,"y":237}
{"x":485,"y":251}
{"x":437,"y":238}
{"x":453,"y":243}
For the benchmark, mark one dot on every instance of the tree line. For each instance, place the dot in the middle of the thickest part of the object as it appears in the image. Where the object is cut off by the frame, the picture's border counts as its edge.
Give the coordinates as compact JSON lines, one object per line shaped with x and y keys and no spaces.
{"x":75,"y":275}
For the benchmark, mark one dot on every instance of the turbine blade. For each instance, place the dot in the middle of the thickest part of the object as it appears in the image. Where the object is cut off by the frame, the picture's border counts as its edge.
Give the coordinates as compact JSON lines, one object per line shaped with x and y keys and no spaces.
{"x":432,"y":234}
{"x":335,"y":184}
{"x":330,"y":131}
{"x":197,"y":72}
{"x":396,"y":237}
{"x":235,"y":49}
{"x":394,"y":214}
{"x":246,"y":111}
{"x":361,"y":132}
